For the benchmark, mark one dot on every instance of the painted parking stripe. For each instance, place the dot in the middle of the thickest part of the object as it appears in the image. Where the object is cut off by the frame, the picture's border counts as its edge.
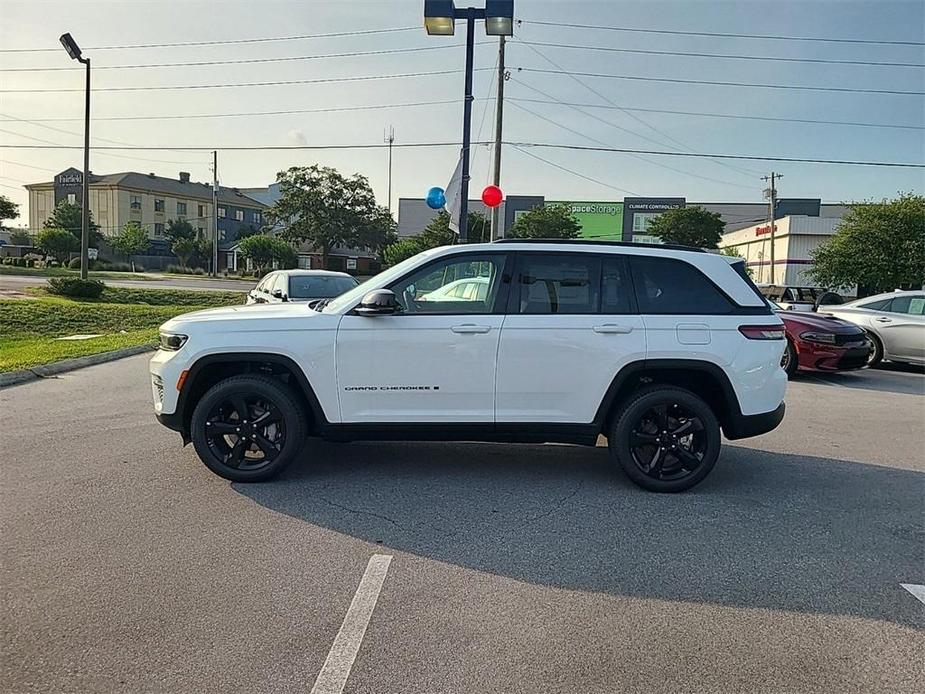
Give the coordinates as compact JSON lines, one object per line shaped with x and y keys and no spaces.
{"x":917,"y":590}
{"x":337,"y":665}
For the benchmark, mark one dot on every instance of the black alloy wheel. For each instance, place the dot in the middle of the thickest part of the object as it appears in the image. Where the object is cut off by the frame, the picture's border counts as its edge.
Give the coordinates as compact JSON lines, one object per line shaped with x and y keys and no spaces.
{"x":248,"y":428}
{"x":667,"y":439}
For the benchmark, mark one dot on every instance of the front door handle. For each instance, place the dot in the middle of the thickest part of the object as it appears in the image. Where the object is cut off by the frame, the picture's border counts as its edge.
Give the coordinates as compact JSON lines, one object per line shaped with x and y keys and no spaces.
{"x":612,"y":328}
{"x":883,"y":319}
{"x":470,"y":328}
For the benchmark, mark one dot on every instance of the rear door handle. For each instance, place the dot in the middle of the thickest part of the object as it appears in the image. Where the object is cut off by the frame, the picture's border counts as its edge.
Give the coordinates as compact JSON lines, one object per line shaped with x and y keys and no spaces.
{"x":612,"y":328}
{"x":883,"y":319}
{"x":469,"y":328}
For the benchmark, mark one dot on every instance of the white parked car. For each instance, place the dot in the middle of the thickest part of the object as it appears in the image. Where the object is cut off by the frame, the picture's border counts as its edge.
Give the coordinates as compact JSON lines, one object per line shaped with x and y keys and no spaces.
{"x":894,"y":321}
{"x":659,"y":348}
{"x":300,"y":285}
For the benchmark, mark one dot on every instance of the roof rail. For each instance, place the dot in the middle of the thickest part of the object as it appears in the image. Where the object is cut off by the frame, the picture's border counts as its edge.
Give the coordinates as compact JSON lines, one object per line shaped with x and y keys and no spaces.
{"x":594,"y":242}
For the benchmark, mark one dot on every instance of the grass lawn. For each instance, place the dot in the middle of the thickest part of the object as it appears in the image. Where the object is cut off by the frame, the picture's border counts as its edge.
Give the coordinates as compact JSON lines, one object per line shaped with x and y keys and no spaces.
{"x":123,"y":318}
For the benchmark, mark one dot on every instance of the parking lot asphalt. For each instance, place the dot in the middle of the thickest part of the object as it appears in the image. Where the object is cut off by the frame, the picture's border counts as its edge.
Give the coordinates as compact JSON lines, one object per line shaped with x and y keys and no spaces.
{"x":127,"y":566}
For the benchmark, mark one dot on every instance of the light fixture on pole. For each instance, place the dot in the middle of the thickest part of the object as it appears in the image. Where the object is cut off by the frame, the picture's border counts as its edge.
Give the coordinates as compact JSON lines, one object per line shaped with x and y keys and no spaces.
{"x":73,"y":50}
{"x":440,"y":20}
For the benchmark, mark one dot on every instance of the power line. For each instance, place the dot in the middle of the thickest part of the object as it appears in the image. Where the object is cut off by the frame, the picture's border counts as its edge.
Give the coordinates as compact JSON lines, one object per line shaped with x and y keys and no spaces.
{"x":725,"y":56}
{"x":244,"y":61}
{"x":418,"y":145}
{"x":676,"y":80}
{"x":335,"y":109}
{"x":363,"y":78}
{"x":575,"y":173}
{"x":600,"y":142}
{"x":364,"y":32}
{"x":713,"y":34}
{"x":721,"y":115}
{"x":28,"y":166}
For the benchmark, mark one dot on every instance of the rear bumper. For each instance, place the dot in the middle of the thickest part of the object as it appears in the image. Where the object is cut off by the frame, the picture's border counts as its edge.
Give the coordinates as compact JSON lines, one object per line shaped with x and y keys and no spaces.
{"x":742,"y":426}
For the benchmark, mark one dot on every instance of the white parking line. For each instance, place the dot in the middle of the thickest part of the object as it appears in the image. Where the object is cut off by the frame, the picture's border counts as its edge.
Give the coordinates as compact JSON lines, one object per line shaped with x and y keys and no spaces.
{"x":917,"y":590}
{"x":337,"y":665}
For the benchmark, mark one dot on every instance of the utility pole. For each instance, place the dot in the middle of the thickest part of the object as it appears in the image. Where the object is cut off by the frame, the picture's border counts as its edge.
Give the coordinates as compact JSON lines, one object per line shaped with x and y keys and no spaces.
{"x":389,"y":137}
{"x":771,"y":194}
{"x":470,"y":15}
{"x":215,"y":213}
{"x":496,"y":230}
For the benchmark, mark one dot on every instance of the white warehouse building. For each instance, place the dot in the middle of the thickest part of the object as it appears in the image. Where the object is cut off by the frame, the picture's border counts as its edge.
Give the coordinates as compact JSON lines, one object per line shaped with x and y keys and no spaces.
{"x":795,"y":238}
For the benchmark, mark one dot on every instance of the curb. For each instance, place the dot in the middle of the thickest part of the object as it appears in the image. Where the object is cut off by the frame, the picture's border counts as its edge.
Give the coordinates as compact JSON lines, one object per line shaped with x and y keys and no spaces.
{"x":13,"y":378}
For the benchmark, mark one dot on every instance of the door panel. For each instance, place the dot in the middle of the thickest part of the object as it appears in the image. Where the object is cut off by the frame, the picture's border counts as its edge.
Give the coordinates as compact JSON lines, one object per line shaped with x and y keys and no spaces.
{"x":558,"y":353}
{"x":901,"y":330}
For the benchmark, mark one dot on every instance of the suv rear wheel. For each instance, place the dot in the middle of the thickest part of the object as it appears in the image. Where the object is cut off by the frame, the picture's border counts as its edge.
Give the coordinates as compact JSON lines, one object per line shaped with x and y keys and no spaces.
{"x":248,"y":428}
{"x":666,"y":439}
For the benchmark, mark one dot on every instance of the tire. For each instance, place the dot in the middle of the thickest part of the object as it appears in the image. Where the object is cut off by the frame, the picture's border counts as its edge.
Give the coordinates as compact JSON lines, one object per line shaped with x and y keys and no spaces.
{"x":877,"y":355}
{"x":274,"y":420}
{"x":639,"y":423}
{"x":790,"y":362}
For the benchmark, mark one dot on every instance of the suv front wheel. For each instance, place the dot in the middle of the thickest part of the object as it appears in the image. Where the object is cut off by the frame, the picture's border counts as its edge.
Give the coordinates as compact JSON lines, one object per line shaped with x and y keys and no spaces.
{"x":248,"y":428}
{"x":666,"y":439}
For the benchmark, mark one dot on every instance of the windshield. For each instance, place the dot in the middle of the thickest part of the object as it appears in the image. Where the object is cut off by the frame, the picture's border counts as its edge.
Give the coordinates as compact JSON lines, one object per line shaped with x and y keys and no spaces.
{"x":319,"y":287}
{"x":384,"y":277}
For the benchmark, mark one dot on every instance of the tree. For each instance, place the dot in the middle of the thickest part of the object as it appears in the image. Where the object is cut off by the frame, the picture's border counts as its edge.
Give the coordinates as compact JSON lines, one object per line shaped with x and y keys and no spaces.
{"x":132,"y":240}
{"x":8,"y":210}
{"x":58,"y":243}
{"x":731,"y":252}
{"x":320,"y":206}
{"x":547,"y":222}
{"x":182,"y":238}
{"x":878,"y":246}
{"x":436,"y":233}
{"x":688,"y":226}
{"x":263,"y":250}
{"x":20,"y":237}
{"x":68,"y":216}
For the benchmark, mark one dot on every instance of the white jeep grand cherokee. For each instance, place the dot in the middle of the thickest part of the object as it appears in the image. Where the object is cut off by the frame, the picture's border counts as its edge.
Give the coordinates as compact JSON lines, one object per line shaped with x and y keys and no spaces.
{"x":655,"y":347}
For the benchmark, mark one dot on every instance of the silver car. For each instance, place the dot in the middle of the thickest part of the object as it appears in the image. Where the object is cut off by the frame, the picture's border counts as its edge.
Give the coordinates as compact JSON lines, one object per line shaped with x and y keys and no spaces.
{"x":895,"y":322}
{"x":300,"y":285}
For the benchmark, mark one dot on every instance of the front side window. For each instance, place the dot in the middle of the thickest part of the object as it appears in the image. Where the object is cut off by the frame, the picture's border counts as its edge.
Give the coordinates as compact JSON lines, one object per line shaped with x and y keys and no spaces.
{"x":616,"y":289}
{"x":558,"y":284}
{"x":467,"y":284}
{"x":910,"y":305}
{"x":665,"y":286}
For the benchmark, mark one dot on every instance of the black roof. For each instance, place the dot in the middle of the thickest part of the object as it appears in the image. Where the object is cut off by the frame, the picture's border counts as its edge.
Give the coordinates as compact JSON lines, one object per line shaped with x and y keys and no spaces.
{"x":594,"y":242}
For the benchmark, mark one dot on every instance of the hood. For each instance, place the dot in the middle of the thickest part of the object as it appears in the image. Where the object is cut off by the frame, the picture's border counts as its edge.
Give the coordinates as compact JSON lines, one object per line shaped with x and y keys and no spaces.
{"x":817,"y":321}
{"x":244,"y":317}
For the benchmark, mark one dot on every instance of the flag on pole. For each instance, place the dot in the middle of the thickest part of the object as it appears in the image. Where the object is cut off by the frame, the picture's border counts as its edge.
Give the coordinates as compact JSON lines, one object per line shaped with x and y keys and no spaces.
{"x":454,"y":195}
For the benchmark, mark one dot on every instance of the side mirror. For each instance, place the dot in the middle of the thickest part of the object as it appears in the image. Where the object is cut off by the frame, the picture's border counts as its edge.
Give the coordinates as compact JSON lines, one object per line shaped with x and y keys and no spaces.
{"x":379,"y":302}
{"x":277,"y":294}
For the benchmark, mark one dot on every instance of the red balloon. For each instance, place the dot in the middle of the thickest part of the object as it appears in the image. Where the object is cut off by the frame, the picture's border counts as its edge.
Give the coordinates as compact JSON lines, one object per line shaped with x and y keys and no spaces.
{"x":492,"y":196}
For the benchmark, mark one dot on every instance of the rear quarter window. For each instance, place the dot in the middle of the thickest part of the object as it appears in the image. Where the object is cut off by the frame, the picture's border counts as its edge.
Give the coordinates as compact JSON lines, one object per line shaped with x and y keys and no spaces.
{"x":666,"y":286}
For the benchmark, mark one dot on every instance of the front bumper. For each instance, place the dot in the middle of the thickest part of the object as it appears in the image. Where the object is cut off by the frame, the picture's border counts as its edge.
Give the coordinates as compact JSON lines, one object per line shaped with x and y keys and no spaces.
{"x":816,"y":357}
{"x":743,"y":426}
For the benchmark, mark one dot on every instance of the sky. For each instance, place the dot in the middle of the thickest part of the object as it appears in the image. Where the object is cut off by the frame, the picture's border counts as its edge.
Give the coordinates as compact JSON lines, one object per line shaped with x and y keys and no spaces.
{"x":564,"y":175}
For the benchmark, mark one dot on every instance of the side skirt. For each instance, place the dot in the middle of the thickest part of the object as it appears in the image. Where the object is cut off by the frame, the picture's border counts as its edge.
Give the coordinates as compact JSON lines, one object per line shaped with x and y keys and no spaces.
{"x":580,"y":434}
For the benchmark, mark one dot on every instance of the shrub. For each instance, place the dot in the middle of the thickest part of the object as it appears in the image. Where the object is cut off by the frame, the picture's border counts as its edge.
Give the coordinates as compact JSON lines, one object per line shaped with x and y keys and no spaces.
{"x":199,"y":271}
{"x":119,"y":267}
{"x":76,"y":287}
{"x":74,"y":264}
{"x":178,"y":270}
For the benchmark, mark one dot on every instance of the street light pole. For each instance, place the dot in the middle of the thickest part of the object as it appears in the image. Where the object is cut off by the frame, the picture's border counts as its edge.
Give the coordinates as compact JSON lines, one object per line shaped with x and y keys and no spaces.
{"x":467,"y":127}
{"x":73,"y":50}
{"x":499,"y":120}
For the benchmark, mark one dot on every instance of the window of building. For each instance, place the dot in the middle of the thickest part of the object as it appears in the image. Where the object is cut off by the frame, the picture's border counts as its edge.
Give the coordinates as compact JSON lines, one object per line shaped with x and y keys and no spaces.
{"x":201,"y":230}
{"x":641,"y":222}
{"x":666,"y":286}
{"x":135,"y":202}
{"x":565,"y":283}
{"x":72,"y":198}
{"x":615,"y":287}
{"x":181,"y":209}
{"x":158,"y":229}
{"x":158,"y":205}
{"x":257,"y":217}
{"x":239,"y":215}
{"x":221,"y":212}
{"x":305,"y":262}
{"x":201,"y":211}
{"x":432,"y":289}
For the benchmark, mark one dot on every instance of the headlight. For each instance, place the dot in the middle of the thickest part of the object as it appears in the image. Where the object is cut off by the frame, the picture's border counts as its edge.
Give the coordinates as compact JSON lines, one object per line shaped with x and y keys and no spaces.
{"x":172,"y":341}
{"x":823,"y":338}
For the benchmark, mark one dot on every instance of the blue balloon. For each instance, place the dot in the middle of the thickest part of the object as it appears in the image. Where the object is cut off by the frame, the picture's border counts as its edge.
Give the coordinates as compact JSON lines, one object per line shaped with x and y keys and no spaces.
{"x":436,"y":198}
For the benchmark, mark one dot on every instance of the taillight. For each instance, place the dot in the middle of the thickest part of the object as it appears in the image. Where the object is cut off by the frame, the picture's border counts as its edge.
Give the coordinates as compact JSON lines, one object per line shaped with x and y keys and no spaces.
{"x":763,"y":332}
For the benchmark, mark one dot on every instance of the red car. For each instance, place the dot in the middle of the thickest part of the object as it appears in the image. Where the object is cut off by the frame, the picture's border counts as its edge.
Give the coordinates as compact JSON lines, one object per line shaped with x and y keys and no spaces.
{"x":816,"y":342}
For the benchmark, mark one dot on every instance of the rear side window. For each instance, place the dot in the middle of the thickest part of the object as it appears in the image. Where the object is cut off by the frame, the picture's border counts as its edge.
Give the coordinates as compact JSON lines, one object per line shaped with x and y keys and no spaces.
{"x":567,"y":283}
{"x":616,"y":290}
{"x":876,"y":305}
{"x":666,"y":286}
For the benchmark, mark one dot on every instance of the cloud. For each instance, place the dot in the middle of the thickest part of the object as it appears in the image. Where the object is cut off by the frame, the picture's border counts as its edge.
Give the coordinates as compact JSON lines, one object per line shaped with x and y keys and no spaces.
{"x":296,"y":137}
